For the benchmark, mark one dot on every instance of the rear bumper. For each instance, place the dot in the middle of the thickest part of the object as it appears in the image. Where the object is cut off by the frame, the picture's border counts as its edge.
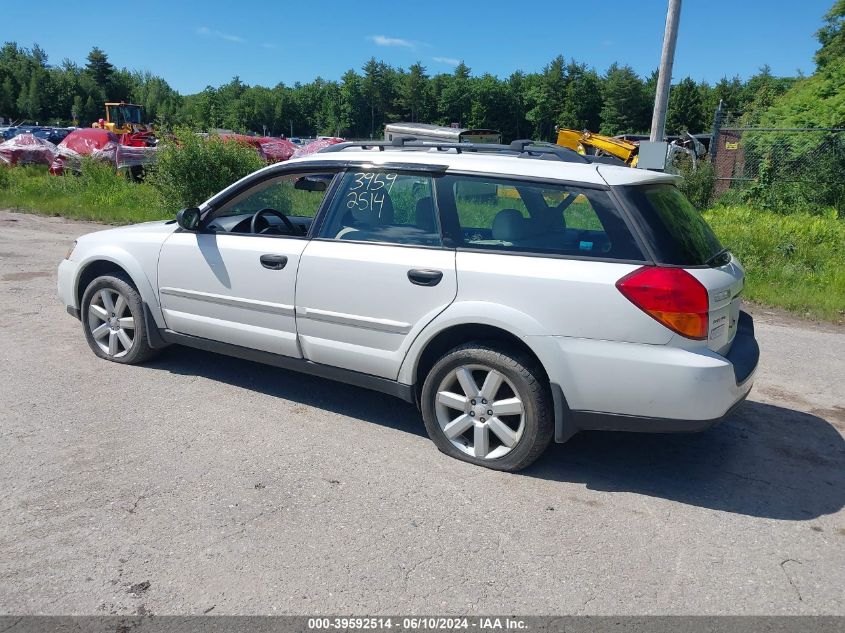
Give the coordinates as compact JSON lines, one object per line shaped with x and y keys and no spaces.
{"x":745,"y":353}
{"x":570,"y":422}
{"x":648,"y":388}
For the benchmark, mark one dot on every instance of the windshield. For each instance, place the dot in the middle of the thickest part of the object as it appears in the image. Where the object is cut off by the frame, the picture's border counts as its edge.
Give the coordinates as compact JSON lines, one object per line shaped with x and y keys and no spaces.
{"x":131,"y":114}
{"x":675,"y":229}
{"x":123,"y":114}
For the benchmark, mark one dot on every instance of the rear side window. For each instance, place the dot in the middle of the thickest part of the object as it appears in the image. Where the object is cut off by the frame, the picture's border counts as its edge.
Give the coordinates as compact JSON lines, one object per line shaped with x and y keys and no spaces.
{"x":674,"y":228}
{"x":529,"y":217}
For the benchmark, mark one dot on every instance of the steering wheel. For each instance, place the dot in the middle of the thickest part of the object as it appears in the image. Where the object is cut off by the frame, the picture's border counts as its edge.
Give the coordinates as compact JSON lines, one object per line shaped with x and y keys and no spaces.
{"x":253,"y":225}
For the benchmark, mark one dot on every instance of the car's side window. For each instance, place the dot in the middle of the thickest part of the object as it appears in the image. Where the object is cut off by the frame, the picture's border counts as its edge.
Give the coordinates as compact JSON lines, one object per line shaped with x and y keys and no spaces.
{"x":510,"y":215}
{"x":295,"y":196}
{"x":383,"y":206}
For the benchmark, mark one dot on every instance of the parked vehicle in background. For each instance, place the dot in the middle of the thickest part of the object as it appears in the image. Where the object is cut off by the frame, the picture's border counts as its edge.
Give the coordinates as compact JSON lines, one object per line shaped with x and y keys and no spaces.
{"x":316,"y":146}
{"x":54,"y":135}
{"x":101,"y":145}
{"x":428,"y":133}
{"x":27,"y":149}
{"x":516,"y":293}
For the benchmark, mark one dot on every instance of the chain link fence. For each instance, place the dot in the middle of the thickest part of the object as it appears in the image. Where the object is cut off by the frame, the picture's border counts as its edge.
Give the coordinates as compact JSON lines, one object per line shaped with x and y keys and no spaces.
{"x":800,"y":166}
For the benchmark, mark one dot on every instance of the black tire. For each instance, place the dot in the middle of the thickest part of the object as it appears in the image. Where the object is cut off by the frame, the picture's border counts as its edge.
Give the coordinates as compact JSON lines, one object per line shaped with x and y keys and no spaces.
{"x":140,"y":350}
{"x":529,"y":383}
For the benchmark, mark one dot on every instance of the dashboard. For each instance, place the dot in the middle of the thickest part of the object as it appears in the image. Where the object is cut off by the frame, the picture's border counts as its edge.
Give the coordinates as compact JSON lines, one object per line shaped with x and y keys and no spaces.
{"x":241,"y":224}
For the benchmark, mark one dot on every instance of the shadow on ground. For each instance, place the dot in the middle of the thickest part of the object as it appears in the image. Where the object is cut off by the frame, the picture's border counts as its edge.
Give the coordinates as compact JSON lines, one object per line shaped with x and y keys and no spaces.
{"x":322,"y":393}
{"x":764,"y":461}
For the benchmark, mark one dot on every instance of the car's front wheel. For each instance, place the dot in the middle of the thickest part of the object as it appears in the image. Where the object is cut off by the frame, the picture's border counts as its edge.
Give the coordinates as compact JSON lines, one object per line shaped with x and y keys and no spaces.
{"x":112,"y":314}
{"x":488,"y":406}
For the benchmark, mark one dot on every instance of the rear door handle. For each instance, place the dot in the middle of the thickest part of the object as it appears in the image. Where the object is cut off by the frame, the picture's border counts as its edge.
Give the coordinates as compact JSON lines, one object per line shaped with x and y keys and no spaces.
{"x":422,"y":277}
{"x":273,"y":262}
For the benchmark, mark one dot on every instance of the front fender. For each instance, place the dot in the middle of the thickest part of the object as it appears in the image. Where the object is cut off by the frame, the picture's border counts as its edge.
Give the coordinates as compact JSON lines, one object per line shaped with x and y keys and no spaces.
{"x":128,"y":262}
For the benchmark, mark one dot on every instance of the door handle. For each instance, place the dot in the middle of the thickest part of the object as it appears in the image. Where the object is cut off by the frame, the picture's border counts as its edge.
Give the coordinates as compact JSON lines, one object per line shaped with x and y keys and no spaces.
{"x":422,"y":277}
{"x":273,"y":262}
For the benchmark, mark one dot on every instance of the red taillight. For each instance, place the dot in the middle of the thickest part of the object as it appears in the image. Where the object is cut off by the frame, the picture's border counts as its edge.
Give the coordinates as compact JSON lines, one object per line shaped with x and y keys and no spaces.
{"x":671,"y":296}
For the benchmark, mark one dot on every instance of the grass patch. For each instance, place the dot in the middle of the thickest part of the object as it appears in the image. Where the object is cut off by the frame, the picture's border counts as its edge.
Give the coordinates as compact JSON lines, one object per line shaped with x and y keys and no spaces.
{"x":795,"y":261}
{"x":98,"y":194}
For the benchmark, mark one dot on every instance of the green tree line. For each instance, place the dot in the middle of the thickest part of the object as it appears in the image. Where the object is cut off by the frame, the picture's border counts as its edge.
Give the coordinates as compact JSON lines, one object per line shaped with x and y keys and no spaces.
{"x":567,"y":94}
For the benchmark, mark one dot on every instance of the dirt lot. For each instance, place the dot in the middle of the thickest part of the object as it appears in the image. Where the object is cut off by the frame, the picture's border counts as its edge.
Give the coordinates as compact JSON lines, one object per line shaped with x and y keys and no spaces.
{"x":200,"y":483}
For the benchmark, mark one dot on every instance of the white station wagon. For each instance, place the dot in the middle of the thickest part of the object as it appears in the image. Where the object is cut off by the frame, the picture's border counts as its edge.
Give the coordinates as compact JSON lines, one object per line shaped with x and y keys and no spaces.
{"x":516,"y":293}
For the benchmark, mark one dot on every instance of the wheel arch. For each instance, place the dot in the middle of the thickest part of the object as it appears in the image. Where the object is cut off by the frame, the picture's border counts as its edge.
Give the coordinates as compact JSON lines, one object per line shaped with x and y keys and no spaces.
{"x":496,"y":321}
{"x":97,"y":268}
{"x":115,"y":259}
{"x":460,"y":324}
{"x":103,"y":265}
{"x":454,"y":335}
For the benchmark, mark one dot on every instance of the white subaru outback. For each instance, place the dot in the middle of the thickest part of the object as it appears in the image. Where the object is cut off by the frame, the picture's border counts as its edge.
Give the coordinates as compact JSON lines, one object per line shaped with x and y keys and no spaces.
{"x":516,"y":293}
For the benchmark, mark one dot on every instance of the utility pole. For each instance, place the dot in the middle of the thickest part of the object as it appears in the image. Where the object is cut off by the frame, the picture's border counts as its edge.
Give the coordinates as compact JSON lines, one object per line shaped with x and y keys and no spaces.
{"x":664,"y":76}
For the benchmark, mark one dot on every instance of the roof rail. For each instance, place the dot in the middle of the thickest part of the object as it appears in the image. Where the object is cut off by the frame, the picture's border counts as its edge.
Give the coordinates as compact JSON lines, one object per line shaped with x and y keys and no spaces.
{"x":380,"y":145}
{"x":523,"y":148}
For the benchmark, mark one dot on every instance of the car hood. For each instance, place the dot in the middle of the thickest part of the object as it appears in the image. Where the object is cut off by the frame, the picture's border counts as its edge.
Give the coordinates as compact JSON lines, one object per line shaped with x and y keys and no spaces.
{"x":156,"y":225}
{"x":165,"y":227}
{"x":146,"y":232}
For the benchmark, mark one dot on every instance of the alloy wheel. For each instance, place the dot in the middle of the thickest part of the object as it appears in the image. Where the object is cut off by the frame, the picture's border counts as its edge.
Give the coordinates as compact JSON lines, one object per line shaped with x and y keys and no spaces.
{"x":479,"y":411}
{"x":111,"y":323}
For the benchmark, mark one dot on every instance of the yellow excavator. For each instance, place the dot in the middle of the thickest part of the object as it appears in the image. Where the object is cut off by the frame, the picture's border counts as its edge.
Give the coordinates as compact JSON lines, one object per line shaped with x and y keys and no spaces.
{"x":683,"y":147}
{"x":588,"y":143}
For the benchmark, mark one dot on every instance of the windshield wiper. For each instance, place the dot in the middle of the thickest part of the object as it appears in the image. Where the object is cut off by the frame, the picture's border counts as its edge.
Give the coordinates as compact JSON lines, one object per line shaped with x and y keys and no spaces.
{"x":713,"y":259}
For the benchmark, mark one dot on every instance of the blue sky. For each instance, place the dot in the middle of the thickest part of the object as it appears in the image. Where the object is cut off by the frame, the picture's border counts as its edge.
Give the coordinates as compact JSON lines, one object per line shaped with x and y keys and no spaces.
{"x":193,"y":44}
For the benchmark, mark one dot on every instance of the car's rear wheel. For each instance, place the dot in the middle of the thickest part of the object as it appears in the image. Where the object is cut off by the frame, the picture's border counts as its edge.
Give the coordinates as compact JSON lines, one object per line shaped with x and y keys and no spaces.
{"x":113,"y":320}
{"x":488,"y":406}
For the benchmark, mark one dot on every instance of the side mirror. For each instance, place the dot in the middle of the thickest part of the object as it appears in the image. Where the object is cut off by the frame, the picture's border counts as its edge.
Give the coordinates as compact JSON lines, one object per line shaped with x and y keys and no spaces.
{"x":188,"y":219}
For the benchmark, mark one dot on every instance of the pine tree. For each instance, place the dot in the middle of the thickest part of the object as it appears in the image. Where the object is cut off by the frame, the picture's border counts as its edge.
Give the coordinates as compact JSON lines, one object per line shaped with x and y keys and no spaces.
{"x":456,"y":98}
{"x":99,"y":68}
{"x":685,"y":112}
{"x":7,"y":98}
{"x":375,"y":92}
{"x":625,"y":107}
{"x":413,"y":93}
{"x":91,"y":112}
{"x":582,"y":103}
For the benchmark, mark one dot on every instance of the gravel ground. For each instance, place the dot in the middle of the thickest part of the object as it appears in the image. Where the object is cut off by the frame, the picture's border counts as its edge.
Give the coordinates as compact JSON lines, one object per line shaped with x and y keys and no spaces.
{"x":200,"y":483}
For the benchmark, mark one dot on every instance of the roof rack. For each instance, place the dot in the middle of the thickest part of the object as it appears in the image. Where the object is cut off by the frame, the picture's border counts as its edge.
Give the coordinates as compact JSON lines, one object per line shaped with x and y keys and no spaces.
{"x":522,"y":148}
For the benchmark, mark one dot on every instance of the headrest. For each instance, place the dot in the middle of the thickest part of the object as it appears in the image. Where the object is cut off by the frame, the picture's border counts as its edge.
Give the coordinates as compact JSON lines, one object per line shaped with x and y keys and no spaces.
{"x":509,"y":225}
{"x":424,"y":215}
{"x":382,"y":214}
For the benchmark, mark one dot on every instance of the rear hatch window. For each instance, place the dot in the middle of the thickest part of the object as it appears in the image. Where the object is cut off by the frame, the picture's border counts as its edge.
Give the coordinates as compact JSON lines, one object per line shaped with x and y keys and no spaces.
{"x":674,"y":228}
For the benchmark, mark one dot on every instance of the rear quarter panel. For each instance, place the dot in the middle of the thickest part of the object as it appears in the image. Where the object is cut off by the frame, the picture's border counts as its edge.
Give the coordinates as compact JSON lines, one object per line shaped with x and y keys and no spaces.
{"x":563,"y":297}
{"x":536,"y":297}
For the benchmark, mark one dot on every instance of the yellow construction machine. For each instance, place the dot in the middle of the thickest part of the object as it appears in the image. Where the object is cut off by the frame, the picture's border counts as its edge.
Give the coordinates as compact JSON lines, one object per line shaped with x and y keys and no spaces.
{"x":588,"y":143}
{"x":122,"y":118}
